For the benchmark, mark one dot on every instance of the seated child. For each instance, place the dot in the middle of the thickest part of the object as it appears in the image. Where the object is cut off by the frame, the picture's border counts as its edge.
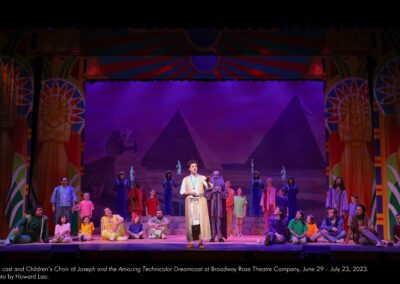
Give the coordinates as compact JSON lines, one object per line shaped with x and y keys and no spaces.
{"x":312,"y":229}
{"x":135,"y":230}
{"x":62,"y":231}
{"x":86,"y":231}
{"x":298,"y":229}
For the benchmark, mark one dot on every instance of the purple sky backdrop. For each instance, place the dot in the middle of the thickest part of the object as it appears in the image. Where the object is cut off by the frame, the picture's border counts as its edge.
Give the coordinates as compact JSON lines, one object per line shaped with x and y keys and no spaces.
{"x":228,"y":118}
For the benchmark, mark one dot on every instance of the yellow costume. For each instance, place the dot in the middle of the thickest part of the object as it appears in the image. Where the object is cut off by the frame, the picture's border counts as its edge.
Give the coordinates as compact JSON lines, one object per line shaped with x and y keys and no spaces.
{"x":107,"y":226}
{"x":87,"y":229}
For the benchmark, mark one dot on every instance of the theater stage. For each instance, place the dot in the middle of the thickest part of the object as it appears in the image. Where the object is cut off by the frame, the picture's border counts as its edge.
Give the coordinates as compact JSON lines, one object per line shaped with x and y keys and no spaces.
{"x":249,"y":249}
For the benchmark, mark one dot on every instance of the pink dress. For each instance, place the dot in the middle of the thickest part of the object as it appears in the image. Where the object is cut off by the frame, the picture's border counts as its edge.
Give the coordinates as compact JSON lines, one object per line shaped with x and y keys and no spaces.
{"x":64,"y":231}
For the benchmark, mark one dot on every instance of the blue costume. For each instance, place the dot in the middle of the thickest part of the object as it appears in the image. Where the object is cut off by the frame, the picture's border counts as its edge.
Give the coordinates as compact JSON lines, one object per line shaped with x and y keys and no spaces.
{"x":257,"y":186}
{"x":122,"y":186}
{"x":291,"y":192}
{"x":167,"y":185}
{"x":283,"y":202}
{"x":63,"y":198}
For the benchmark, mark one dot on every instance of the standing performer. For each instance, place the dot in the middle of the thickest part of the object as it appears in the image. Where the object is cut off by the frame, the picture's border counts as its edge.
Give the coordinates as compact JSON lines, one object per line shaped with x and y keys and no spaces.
{"x":168,"y":184}
{"x":291,"y":190}
{"x":137,"y":203}
{"x":217,"y":207}
{"x":229,"y":207}
{"x":268,"y":202}
{"x":63,"y":200}
{"x":152,"y":204}
{"x":337,"y":198}
{"x":196,"y":211}
{"x":257,"y":186}
{"x":121,"y":186}
{"x":240,"y":203}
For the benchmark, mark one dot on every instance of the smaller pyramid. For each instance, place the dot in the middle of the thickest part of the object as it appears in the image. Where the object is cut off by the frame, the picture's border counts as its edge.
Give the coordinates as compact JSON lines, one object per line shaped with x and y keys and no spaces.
{"x":174,"y":143}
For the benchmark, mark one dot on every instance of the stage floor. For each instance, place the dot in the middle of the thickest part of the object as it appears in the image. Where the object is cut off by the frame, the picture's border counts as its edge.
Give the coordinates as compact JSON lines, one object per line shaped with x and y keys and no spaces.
{"x":178,"y":243}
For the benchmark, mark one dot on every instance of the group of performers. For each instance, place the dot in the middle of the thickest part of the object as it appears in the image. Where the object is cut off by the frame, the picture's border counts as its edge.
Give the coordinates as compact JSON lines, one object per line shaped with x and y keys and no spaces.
{"x":210,"y":205}
{"x":131,"y":190}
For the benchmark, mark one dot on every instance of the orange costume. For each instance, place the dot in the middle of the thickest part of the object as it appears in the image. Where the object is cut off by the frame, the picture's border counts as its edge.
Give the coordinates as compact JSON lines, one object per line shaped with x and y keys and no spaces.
{"x":312,"y":229}
{"x":229,"y":211}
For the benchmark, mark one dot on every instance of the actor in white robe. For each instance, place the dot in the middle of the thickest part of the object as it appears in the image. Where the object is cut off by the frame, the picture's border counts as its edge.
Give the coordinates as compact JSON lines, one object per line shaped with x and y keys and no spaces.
{"x":196,"y":211}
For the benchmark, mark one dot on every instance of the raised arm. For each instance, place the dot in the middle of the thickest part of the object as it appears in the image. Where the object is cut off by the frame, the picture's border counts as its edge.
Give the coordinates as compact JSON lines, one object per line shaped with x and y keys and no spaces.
{"x":206,"y":182}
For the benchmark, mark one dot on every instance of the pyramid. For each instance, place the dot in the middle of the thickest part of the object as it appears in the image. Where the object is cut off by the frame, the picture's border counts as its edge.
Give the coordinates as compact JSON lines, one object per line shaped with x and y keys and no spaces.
{"x":289,"y":142}
{"x":174,"y":143}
